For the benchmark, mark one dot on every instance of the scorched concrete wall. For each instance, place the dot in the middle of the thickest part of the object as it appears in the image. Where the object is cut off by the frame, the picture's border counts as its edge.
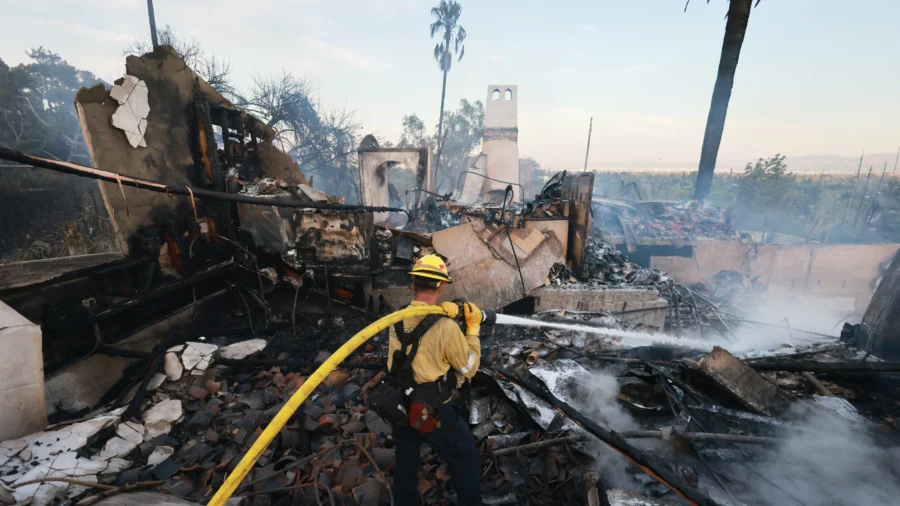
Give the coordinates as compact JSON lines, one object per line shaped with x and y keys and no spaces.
{"x":500,"y":111}
{"x":647,"y":306}
{"x":813,"y":270}
{"x":22,"y":408}
{"x":503,"y":164}
{"x":374,"y":172}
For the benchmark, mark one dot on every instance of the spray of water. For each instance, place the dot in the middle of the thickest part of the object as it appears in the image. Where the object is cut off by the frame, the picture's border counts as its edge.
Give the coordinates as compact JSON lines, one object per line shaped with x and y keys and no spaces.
{"x":625,"y":337}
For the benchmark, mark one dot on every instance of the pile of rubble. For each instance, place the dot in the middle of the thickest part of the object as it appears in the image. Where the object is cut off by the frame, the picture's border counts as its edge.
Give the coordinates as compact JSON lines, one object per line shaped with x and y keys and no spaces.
{"x":662,"y":220}
{"x":604,"y":265}
{"x":281,"y":188}
{"x":213,"y":397}
{"x":685,"y":417}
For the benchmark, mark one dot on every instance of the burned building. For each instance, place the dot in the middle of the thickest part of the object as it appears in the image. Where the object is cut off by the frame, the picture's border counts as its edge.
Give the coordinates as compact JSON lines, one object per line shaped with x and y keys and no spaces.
{"x":194,"y":200}
{"x":377,"y":189}
{"x":200,"y":351}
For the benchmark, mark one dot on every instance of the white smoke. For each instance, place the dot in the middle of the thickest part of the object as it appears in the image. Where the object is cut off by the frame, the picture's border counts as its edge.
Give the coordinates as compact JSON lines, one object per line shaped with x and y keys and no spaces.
{"x":828,"y":461}
{"x":598,"y":401}
{"x":776,"y":323}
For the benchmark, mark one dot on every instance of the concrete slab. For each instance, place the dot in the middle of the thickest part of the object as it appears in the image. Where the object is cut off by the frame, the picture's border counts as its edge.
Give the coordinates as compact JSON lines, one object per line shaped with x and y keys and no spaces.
{"x":639,"y":305}
{"x":744,"y":384}
{"x":483,"y":265}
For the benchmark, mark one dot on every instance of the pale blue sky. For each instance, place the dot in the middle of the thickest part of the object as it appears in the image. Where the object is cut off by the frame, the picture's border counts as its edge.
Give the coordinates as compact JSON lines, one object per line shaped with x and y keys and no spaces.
{"x":816,"y":77}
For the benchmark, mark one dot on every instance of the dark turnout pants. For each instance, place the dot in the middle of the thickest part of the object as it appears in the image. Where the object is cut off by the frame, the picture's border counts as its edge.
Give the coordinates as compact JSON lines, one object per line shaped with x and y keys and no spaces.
{"x":454,"y":444}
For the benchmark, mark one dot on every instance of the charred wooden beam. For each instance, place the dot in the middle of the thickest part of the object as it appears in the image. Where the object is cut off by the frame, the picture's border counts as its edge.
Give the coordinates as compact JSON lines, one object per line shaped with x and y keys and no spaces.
{"x":540,"y":445}
{"x":650,"y":464}
{"x":178,"y":189}
{"x":640,"y":434}
{"x":828,"y":367}
{"x":816,"y":384}
{"x":704,"y":437}
{"x":212,"y":272}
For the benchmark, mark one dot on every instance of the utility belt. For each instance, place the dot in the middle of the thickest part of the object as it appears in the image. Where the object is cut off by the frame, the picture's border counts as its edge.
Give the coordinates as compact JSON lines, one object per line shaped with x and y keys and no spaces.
{"x":398,"y":399}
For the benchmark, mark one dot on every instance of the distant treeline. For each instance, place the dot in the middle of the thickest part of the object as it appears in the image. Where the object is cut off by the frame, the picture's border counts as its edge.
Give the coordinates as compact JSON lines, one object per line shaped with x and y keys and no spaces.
{"x":766,"y":196}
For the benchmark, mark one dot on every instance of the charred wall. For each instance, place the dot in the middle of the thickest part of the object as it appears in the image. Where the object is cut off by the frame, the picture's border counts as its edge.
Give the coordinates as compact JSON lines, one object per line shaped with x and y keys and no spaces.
{"x":880,"y":330}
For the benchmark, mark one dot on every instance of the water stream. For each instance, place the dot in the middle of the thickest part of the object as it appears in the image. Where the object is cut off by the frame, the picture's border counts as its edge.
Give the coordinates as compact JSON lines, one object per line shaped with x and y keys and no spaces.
{"x":630,"y":338}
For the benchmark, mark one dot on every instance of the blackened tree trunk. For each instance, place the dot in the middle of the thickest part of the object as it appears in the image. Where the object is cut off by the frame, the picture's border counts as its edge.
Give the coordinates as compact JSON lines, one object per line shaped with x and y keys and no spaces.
{"x":879,"y":333}
{"x":735,"y":28}
{"x":152,"y":16}
{"x":440,"y":138}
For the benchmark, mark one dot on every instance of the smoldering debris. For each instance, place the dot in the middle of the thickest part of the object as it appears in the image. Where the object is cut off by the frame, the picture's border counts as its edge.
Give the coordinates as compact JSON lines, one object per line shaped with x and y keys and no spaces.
{"x":604,"y":265}
{"x":829,"y":460}
{"x":628,"y":386}
{"x":651,"y":395}
{"x":654,"y":221}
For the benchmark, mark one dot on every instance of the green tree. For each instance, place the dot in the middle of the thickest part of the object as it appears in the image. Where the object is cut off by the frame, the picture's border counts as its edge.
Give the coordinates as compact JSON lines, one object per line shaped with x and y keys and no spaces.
{"x":37,"y":106}
{"x":323,"y":142}
{"x":37,"y":115}
{"x":463,"y":133}
{"x":452,"y":36}
{"x":766,"y":187}
{"x":414,"y":134}
{"x":735,"y":28}
{"x":22,"y":126}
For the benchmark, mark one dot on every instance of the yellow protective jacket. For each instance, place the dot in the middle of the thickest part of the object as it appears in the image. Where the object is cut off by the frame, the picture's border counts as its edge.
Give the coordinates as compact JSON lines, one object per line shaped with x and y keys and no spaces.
{"x":442,"y":347}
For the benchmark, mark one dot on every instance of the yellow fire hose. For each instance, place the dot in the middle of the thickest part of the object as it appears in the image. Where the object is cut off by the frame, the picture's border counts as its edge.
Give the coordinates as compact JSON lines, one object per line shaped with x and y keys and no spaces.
{"x":240,"y":472}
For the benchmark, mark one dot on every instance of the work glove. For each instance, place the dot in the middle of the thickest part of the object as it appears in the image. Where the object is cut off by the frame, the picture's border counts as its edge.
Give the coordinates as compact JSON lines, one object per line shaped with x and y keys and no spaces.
{"x":451,"y":309}
{"x":473,"y":319}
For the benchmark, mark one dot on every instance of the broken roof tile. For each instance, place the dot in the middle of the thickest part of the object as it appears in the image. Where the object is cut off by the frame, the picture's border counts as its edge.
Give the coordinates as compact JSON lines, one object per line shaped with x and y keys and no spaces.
{"x":168,"y":411}
{"x":131,"y":115}
{"x":242,"y":349}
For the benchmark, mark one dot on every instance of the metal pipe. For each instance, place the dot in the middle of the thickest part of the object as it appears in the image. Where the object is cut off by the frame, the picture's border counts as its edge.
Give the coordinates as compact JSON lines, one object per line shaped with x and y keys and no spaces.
{"x":178,"y":189}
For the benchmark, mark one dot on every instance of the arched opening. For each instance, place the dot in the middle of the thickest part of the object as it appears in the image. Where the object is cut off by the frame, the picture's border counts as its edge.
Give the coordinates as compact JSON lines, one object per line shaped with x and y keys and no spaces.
{"x":400,"y":179}
{"x":495,"y":95}
{"x":508,"y":94}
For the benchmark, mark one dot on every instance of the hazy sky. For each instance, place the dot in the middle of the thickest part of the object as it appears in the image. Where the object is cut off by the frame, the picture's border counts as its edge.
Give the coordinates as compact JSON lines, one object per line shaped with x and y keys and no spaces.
{"x":815,"y":76}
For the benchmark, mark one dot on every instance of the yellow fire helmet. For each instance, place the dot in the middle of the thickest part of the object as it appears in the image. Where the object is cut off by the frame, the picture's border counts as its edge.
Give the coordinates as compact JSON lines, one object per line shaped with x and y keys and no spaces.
{"x":431,"y":266}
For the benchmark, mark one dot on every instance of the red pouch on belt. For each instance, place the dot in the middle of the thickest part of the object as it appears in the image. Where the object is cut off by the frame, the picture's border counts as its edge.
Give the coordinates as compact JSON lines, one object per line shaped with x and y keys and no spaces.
{"x":422,"y":418}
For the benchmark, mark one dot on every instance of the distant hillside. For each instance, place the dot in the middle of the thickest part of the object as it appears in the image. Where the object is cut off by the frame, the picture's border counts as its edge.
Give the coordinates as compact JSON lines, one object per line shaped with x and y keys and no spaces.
{"x":828,"y":163}
{"x":796,"y":163}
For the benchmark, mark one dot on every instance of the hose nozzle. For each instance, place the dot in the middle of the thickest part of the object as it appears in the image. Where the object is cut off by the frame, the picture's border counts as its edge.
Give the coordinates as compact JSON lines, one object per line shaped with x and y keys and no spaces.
{"x":488,"y":316}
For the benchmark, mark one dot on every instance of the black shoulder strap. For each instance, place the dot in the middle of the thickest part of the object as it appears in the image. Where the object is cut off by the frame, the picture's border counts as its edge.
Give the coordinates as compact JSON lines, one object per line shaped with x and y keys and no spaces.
{"x":413,"y":338}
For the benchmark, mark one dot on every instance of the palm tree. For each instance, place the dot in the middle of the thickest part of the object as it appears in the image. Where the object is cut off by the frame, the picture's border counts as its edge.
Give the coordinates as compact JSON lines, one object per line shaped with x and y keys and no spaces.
{"x":152,"y":24}
{"x":735,"y":28}
{"x":446,"y":19}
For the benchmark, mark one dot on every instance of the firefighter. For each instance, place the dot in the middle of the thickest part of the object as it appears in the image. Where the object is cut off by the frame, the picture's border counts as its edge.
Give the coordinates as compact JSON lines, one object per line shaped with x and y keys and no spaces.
{"x":437,"y":358}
